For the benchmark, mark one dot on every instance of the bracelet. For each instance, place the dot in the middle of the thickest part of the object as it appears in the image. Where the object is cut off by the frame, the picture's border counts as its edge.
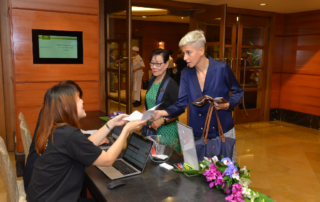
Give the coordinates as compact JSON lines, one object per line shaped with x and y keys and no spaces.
{"x":165,"y":120}
{"x":108,"y":127}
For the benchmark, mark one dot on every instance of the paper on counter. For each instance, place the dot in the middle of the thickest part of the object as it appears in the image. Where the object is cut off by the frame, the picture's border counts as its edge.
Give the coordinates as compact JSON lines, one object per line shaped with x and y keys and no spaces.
{"x":136,"y":115}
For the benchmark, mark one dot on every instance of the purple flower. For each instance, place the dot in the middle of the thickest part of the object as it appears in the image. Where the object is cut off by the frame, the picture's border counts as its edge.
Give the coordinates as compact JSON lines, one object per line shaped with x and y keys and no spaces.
{"x":114,"y":114}
{"x":219,"y":180}
{"x":226,"y":161}
{"x":230,"y":170}
{"x":211,"y":173}
{"x":236,"y":195}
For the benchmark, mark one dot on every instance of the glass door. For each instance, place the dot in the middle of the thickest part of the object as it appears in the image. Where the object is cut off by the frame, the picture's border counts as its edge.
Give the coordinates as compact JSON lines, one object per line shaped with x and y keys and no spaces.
{"x":213,"y":24}
{"x":251,"y":66}
{"x":118,"y":54}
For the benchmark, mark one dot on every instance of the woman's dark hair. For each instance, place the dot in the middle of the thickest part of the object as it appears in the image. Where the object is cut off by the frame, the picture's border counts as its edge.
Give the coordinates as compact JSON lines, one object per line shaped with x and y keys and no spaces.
{"x":73,"y":84}
{"x":59,"y":108}
{"x":161,"y":52}
{"x":170,"y":52}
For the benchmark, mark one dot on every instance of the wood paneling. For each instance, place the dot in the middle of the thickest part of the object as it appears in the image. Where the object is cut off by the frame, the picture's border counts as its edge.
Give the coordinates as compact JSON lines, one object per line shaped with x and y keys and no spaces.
{"x":280,"y":22}
{"x":277,"y":54}
{"x":299,"y":73}
{"x":26,"y":20}
{"x":2,"y":107}
{"x":29,"y":101}
{"x":33,"y":80}
{"x":69,"y":6}
{"x":302,"y":54}
{"x":303,"y":23}
{"x":300,"y":93}
{"x":7,"y":73}
{"x":275,"y":90}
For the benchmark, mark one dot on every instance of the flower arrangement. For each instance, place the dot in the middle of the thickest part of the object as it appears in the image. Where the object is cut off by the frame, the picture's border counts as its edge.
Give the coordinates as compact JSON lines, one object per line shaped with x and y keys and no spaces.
{"x":111,"y":115}
{"x":226,"y":175}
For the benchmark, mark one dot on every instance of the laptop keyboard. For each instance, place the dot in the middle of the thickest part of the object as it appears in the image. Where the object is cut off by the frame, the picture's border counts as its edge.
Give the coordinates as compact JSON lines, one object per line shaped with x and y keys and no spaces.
{"x":123,"y":167}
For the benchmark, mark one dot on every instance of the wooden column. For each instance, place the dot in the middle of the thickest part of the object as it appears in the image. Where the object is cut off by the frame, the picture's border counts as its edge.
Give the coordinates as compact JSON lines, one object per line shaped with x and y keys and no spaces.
{"x":102,"y":57}
{"x":7,"y":74}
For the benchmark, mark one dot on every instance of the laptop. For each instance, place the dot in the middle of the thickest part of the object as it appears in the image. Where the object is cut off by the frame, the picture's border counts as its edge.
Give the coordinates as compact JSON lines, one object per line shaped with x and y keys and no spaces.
{"x":188,"y":145}
{"x":133,"y":161}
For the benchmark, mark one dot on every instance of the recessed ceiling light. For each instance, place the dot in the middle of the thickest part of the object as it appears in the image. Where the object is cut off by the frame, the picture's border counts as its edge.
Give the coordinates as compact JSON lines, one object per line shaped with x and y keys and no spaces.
{"x":181,"y":17}
{"x":144,"y":16}
{"x":263,"y":4}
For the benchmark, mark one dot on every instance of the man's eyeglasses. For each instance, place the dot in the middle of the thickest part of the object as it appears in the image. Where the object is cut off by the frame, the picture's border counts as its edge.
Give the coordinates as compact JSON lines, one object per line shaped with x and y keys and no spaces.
{"x":156,"y":64}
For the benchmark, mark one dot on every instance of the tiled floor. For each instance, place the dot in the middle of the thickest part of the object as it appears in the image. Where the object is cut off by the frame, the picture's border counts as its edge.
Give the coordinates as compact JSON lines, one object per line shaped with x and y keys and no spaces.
{"x":284,"y":160}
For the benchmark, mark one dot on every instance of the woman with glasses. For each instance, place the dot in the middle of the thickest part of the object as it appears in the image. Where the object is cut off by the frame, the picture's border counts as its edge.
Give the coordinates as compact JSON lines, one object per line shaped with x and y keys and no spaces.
{"x":162,"y":81}
{"x":205,"y":76}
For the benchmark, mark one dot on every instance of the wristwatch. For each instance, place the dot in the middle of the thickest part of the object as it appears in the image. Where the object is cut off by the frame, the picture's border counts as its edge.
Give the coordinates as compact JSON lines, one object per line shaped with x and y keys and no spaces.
{"x":165,"y":120}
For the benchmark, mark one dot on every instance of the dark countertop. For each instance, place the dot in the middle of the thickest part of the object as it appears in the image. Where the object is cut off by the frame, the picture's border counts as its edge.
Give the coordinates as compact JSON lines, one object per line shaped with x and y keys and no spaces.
{"x":154,"y":184}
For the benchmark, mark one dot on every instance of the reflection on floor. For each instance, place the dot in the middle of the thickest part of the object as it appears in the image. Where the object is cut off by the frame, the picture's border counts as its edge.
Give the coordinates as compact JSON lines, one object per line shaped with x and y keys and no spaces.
{"x":284,"y":159}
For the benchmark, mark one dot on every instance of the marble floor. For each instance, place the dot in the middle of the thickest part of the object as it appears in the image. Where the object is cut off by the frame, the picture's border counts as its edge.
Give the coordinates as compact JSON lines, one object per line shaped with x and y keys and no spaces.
{"x":284,"y":160}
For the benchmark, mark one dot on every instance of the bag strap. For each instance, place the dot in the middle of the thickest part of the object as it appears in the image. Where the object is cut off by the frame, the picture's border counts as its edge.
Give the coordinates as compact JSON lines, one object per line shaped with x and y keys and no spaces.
{"x":162,"y":90}
{"x":207,"y":124}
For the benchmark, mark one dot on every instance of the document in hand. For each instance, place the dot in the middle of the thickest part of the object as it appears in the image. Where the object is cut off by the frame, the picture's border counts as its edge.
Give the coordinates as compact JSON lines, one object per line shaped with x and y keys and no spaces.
{"x":136,"y":115}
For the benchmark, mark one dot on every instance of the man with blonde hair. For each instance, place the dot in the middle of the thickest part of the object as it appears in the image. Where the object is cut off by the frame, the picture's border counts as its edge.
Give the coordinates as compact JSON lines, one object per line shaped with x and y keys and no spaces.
{"x":205,"y":76}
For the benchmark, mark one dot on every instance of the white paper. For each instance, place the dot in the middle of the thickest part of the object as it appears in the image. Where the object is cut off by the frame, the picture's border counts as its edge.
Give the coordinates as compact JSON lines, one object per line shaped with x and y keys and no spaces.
{"x":136,"y":115}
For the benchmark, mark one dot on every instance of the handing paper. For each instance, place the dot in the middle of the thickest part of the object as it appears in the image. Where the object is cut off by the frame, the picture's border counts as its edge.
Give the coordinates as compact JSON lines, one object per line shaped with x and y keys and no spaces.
{"x":136,"y":115}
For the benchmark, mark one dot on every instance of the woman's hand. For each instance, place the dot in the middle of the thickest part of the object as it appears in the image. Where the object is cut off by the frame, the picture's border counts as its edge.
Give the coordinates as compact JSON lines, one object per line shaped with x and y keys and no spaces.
{"x":104,"y":141}
{"x":157,"y":114}
{"x":134,"y":125}
{"x":117,"y":121}
{"x":221,"y":106}
{"x":156,"y":124}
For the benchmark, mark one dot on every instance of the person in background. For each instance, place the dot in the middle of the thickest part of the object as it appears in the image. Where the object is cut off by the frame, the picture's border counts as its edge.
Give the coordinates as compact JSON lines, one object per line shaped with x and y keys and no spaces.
{"x":138,"y":66}
{"x":170,"y":64}
{"x":163,"y":126}
{"x":180,"y":64}
{"x":28,"y":169}
{"x":205,"y":76}
{"x":64,"y":151}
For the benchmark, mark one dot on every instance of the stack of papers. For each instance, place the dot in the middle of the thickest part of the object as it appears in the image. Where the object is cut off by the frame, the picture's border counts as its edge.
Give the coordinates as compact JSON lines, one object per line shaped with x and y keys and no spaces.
{"x":136,"y":115}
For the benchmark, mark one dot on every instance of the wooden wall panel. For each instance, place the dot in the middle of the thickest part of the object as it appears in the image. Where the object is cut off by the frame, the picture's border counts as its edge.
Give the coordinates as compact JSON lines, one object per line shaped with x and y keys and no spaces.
{"x":280,"y":22}
{"x":302,"y":54}
{"x":33,"y":80}
{"x":26,"y":20}
{"x":3,"y":132}
{"x":277,"y":54}
{"x":67,"y":6}
{"x":275,"y":90}
{"x":30,"y":96}
{"x":303,"y":23}
{"x":300,"y":93}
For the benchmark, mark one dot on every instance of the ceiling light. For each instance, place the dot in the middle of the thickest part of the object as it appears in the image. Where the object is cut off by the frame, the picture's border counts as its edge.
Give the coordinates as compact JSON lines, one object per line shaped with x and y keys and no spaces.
{"x":237,"y":18}
{"x":144,"y":16}
{"x":263,"y":4}
{"x":217,"y":18}
{"x":181,"y":17}
{"x":136,"y":8}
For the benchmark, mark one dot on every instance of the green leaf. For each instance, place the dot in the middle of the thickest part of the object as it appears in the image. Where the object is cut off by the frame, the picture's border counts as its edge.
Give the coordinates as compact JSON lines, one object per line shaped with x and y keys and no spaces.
{"x":246,"y":200}
{"x":222,"y":156}
{"x":189,"y":172}
{"x":247,"y":177}
{"x":105,"y":118}
{"x":221,"y":169}
{"x":262,"y":196}
{"x":206,"y":163}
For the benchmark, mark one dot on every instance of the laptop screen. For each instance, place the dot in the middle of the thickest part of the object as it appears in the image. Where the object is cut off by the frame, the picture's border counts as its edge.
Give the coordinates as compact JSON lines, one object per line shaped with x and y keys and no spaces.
{"x":137,"y":151}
